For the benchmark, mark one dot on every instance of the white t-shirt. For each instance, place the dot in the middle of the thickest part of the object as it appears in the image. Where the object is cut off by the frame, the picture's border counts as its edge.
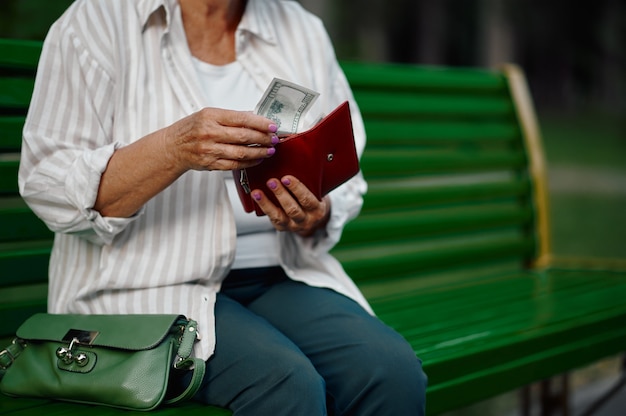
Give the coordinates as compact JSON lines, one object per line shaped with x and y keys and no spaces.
{"x":231,"y":87}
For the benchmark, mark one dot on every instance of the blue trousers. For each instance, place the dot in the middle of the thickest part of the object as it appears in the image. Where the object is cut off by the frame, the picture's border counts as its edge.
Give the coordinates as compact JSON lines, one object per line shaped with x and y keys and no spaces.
{"x":285,"y":348}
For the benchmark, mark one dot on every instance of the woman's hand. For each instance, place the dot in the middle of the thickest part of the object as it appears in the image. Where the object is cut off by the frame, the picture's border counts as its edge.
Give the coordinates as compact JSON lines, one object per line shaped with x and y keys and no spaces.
{"x":216,"y":139}
{"x":211,"y":139}
{"x":299,"y":211}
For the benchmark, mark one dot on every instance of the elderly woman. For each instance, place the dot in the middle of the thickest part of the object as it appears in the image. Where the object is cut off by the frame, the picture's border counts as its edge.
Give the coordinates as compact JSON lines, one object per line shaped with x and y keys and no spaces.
{"x":141,"y":109}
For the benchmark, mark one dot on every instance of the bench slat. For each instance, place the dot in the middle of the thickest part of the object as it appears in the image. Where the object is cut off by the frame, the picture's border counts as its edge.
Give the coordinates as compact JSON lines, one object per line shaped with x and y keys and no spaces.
{"x":408,"y":77}
{"x":388,"y":163}
{"x":400,"y":259}
{"x":51,"y":408}
{"x":24,"y":262}
{"x":502,"y":305}
{"x":11,"y":133}
{"x":490,"y":381}
{"x":19,"y":223}
{"x":19,"y":53}
{"x":394,"y":226}
{"x":392,"y":196}
{"x":9,"y":165}
{"x":23,"y":406}
{"x":16,"y":92}
{"x":18,"y":304}
{"x":376,"y":105}
{"x":444,"y":133}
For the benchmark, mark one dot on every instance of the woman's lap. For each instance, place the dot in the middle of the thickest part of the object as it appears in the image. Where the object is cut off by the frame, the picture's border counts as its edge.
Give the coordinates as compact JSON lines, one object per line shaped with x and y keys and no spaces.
{"x":285,"y":345}
{"x":254,"y":367}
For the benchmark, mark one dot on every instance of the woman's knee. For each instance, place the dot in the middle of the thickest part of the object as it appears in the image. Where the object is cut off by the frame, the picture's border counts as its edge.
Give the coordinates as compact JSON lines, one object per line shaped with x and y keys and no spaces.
{"x":284,"y":383}
{"x":293,"y":375}
{"x":394,"y":367}
{"x":290,"y":386}
{"x":386,"y":377}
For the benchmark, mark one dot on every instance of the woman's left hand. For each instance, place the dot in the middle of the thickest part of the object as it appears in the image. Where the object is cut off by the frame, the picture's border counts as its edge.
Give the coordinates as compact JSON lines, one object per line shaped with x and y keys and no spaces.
{"x":299,"y":211}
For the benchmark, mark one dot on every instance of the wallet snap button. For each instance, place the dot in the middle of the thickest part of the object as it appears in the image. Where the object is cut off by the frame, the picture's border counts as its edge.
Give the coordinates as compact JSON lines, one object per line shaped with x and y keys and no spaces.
{"x":330,"y":157}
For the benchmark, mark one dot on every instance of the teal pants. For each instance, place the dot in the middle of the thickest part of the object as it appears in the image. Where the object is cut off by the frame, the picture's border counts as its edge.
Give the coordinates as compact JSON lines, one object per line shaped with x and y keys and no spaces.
{"x":285,"y":348}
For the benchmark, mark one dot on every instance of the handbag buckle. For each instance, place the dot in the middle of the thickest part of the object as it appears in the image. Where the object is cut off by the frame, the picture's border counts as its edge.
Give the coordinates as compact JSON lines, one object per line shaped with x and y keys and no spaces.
{"x":80,"y":336}
{"x":69,"y":355}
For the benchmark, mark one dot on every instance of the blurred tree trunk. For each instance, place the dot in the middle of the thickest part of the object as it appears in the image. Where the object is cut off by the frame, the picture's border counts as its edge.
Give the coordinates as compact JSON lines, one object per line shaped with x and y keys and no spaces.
{"x":7,"y":20}
{"x":430,"y":29}
{"x":317,"y":7}
{"x":610,"y":79}
{"x":496,"y":37}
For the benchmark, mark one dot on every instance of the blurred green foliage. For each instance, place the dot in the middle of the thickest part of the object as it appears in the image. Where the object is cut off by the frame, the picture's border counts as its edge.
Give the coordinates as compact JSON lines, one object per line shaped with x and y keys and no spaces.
{"x":586,"y":155}
{"x":590,"y":139}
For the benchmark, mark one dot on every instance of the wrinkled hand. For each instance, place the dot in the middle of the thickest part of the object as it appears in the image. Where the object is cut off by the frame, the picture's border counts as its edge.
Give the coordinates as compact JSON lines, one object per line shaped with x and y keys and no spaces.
{"x":299,"y":211}
{"x":217,"y":139}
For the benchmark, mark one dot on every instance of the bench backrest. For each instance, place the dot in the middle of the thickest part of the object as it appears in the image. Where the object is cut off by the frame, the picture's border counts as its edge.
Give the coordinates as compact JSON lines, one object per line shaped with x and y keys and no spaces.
{"x":24,"y":240}
{"x":451,"y":184}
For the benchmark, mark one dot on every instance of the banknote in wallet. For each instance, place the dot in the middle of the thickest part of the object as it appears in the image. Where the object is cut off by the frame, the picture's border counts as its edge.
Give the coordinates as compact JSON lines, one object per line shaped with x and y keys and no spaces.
{"x":322,"y":158}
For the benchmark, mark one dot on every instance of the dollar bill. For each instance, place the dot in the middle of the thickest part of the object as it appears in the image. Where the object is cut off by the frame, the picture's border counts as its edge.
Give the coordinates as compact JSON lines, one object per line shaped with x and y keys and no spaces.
{"x":286,"y":104}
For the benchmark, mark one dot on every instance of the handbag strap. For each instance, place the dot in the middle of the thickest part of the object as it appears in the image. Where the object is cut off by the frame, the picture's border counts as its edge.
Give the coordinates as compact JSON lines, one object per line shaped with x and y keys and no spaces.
{"x":9,"y":354}
{"x":197,"y":375}
{"x":184,"y":361}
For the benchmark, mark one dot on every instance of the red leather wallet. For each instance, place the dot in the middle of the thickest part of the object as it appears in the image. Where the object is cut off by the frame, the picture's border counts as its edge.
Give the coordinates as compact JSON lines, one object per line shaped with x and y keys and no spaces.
{"x":322,"y":158}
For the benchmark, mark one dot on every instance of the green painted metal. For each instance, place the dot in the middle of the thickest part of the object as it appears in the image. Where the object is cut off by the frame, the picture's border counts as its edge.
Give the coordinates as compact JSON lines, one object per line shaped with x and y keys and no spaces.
{"x":390,"y":196}
{"x":415,"y":131}
{"x":11,"y":133}
{"x":24,"y":262}
{"x":15,"y":92}
{"x":19,"y":54}
{"x":9,"y":165}
{"x":418,"y":225}
{"x":386,"y":104}
{"x":398,"y":162}
{"x":408,"y":77}
{"x":440,"y":248}
{"x":18,"y":223}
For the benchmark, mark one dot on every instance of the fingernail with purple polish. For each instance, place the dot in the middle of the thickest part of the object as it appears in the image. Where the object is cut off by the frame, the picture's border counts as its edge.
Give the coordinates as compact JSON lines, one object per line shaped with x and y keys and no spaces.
{"x":275,"y":139}
{"x":256,"y":195}
{"x":272,"y":184}
{"x":271,"y":151}
{"x":273,"y":128}
{"x":286,"y":181}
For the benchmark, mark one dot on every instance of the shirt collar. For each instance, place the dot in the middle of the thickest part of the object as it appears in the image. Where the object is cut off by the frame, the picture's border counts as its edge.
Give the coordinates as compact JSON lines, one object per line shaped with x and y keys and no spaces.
{"x":146,"y":8}
{"x":256,"y":19}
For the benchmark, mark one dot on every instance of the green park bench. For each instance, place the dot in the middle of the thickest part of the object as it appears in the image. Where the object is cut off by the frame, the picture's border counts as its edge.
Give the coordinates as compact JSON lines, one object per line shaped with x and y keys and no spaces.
{"x":452,"y":247}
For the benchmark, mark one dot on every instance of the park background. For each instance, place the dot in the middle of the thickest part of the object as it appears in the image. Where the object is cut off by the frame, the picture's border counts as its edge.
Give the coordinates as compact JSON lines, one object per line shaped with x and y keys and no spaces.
{"x":574,"y":56}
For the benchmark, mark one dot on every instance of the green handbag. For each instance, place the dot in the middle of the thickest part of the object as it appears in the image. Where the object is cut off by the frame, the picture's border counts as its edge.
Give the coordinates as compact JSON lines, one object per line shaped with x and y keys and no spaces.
{"x":123,"y":361}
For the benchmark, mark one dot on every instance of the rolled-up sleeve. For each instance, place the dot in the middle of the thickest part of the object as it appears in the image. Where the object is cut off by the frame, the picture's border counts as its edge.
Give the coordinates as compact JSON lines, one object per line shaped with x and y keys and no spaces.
{"x":67,"y":139}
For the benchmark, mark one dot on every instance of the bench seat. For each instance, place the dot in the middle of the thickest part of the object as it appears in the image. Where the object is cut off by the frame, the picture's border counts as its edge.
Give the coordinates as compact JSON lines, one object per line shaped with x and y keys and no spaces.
{"x":477,"y":339}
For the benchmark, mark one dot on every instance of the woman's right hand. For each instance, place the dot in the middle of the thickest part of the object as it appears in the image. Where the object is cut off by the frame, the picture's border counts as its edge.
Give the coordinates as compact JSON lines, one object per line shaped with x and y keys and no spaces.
{"x":210,"y":139}
{"x":217,"y":139}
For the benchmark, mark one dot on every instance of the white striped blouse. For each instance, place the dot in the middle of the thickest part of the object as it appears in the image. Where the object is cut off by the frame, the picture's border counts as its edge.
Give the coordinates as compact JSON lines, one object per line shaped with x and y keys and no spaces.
{"x":113,"y":71}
